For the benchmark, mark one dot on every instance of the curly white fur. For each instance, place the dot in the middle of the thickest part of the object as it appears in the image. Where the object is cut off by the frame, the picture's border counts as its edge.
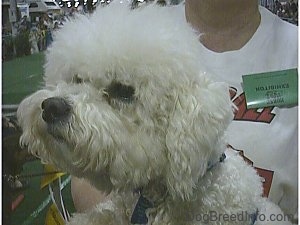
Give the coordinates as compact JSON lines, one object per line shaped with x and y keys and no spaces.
{"x":162,"y":139}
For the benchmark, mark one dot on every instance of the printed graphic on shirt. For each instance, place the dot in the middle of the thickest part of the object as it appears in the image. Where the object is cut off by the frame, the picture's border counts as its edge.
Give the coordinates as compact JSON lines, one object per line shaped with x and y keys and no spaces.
{"x":263,"y":115}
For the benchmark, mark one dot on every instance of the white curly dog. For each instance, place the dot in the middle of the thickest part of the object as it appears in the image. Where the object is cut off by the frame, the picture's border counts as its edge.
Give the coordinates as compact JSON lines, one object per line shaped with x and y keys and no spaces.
{"x":128,"y":106}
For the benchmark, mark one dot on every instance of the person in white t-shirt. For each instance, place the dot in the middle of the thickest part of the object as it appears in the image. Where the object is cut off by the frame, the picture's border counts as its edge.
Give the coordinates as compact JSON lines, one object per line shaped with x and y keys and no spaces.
{"x":239,"y":38}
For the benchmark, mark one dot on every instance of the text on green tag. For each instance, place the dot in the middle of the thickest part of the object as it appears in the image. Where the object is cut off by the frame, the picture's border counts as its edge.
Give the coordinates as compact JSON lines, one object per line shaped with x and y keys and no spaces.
{"x":278,"y":88}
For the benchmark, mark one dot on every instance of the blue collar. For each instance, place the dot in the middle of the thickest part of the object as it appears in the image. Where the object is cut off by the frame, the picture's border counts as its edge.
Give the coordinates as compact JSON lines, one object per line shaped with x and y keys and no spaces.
{"x":253,"y":217}
{"x":139,"y":212}
{"x":210,"y":165}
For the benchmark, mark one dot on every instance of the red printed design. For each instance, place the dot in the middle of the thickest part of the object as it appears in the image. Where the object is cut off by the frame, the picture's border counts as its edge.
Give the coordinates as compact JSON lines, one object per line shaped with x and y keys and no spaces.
{"x":263,"y":115}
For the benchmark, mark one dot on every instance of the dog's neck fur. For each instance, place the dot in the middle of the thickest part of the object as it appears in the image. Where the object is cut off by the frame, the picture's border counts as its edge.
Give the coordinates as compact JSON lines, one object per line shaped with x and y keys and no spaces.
{"x":157,"y":192}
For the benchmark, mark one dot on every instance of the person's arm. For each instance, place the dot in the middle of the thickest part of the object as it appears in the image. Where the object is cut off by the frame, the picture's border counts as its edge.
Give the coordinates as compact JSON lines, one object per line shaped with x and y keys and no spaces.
{"x":84,"y":195}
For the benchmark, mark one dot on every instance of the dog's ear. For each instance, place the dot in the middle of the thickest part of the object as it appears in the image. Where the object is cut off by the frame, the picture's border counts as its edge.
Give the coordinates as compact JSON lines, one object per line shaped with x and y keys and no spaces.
{"x":196,"y":129}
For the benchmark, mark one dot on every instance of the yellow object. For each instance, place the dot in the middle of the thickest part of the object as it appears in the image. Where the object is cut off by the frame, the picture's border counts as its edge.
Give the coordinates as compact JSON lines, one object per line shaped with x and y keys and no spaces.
{"x":53,"y":216}
{"x":52,"y":176}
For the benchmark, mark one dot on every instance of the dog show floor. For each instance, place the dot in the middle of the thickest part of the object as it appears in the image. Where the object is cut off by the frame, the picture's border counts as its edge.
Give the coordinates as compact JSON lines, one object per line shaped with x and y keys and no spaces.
{"x":21,"y":77}
{"x":30,"y":204}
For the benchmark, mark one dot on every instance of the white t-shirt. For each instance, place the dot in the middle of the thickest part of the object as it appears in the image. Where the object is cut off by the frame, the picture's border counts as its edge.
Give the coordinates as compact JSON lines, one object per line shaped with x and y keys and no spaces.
{"x":268,"y":136}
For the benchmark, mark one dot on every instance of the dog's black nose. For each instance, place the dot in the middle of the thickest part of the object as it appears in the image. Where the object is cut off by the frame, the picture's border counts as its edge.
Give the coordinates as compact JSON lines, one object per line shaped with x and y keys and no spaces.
{"x":55,"y":109}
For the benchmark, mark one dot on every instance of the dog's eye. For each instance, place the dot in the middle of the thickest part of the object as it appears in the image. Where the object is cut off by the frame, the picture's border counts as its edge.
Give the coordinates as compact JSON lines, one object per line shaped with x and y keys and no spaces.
{"x":76,"y":79}
{"x":119,"y":91}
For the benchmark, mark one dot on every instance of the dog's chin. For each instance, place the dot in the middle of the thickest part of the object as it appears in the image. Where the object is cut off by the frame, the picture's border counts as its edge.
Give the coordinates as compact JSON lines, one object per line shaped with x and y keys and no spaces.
{"x":56,"y":136}
{"x":56,"y":133}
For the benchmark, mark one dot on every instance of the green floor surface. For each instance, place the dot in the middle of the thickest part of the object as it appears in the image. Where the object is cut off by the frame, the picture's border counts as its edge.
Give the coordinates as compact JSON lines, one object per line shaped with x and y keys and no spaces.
{"x":21,"y":77}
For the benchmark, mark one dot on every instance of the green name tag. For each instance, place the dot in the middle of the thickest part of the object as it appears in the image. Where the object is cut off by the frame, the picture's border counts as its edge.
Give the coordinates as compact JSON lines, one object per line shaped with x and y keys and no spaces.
{"x":278,"y":88}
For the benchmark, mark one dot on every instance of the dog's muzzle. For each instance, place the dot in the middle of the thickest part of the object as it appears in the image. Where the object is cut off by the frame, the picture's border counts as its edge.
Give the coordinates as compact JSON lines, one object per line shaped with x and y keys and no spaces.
{"x":55,"y":110}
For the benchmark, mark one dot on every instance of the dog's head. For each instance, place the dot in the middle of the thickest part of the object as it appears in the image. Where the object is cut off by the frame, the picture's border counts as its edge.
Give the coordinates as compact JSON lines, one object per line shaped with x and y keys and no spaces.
{"x":127,"y":101}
